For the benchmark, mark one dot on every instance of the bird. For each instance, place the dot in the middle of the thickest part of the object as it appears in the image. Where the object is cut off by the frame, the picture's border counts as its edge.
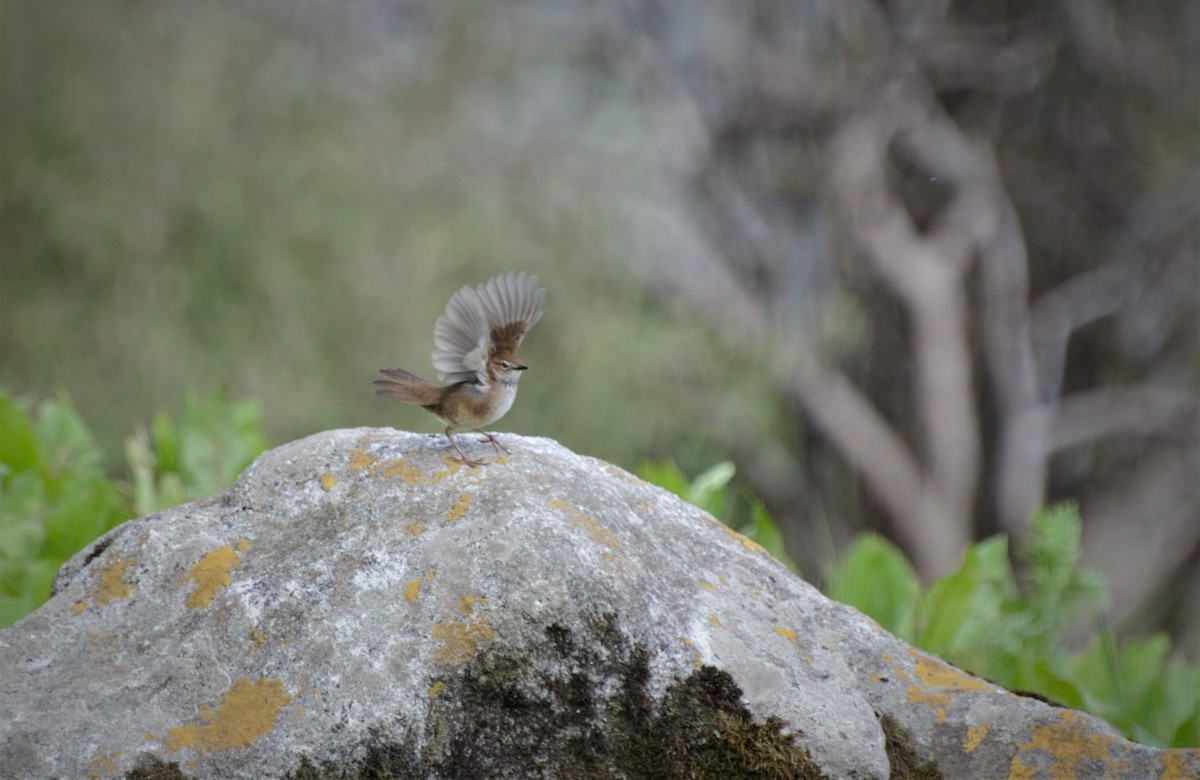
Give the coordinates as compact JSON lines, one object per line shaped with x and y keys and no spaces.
{"x":476,"y":340}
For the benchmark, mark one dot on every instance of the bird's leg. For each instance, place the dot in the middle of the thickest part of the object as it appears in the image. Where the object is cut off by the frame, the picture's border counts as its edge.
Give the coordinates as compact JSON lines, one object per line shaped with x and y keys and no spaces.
{"x":495,"y":442}
{"x":467,"y":461}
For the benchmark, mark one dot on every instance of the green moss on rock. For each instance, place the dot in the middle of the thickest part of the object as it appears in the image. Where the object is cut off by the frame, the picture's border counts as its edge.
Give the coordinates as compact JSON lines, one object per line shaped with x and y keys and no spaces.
{"x":902,"y":759}
{"x":580,"y":707}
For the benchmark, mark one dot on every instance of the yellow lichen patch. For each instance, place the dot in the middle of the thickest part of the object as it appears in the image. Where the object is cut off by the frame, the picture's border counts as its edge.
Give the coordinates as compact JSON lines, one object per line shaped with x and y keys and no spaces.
{"x":436,"y":689}
{"x":466,"y":604}
{"x":934,"y":683}
{"x":594,"y":530}
{"x":328,"y":481}
{"x":1179,"y":764}
{"x":411,"y":473}
{"x":246,"y":712}
{"x":937,"y":700}
{"x":257,"y":638}
{"x":786,"y":633}
{"x":456,"y":511}
{"x":975,"y":735}
{"x":360,"y":459}
{"x":714,"y":622}
{"x":749,"y":544}
{"x":458,"y":640}
{"x":403,"y":469}
{"x":104,"y":764}
{"x":706,"y":585}
{"x":412,"y":589}
{"x":112,"y":585}
{"x":412,"y":529}
{"x":939,"y":674}
{"x":1073,"y":745}
{"x":211,"y":573}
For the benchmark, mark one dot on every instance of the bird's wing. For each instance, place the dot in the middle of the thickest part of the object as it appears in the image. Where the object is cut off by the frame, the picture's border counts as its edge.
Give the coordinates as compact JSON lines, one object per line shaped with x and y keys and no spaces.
{"x":512,"y":304}
{"x":488,"y":320}
{"x":461,"y":337}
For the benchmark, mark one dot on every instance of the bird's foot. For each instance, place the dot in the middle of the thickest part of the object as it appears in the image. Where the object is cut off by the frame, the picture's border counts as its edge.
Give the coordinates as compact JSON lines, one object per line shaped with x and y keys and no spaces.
{"x":461,"y":455}
{"x":494,"y":441}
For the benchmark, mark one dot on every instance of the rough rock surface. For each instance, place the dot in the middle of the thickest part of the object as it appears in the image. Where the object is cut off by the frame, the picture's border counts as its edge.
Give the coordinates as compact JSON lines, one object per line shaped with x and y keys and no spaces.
{"x":360,"y":605}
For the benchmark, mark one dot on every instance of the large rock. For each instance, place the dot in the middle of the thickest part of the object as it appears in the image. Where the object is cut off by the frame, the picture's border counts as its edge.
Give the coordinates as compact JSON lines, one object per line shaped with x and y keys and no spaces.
{"x":360,"y":605}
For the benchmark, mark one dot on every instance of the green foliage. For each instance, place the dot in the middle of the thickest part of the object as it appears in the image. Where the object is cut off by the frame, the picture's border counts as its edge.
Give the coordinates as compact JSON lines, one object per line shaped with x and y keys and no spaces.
{"x":1010,"y":629}
{"x":1005,"y":625}
{"x":170,"y":464}
{"x":55,"y":498}
{"x":709,"y":490}
{"x":877,"y":578}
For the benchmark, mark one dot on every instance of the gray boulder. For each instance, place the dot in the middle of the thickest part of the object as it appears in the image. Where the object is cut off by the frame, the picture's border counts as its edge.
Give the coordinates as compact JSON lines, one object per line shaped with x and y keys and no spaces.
{"x":361,"y":605}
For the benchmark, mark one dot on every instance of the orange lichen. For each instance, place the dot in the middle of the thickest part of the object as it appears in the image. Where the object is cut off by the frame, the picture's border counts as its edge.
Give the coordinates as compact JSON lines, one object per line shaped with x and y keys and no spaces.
{"x":104,"y":764}
{"x":456,"y":511}
{"x":211,"y":573}
{"x":1072,"y":744}
{"x":786,"y":633}
{"x":939,"y":674}
{"x":935,"y":683}
{"x":412,"y":589}
{"x":459,"y":639}
{"x":360,"y":459}
{"x":112,"y":585}
{"x":401,"y":468}
{"x":328,"y":480}
{"x":975,"y":735}
{"x":247,"y":711}
{"x":749,"y":544}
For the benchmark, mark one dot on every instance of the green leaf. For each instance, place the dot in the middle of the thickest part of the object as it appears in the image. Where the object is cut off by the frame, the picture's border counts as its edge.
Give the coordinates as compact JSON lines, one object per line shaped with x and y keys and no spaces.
{"x":962,"y":609}
{"x":18,"y":445}
{"x":707,"y":490}
{"x":878,"y":580}
{"x":666,"y":475}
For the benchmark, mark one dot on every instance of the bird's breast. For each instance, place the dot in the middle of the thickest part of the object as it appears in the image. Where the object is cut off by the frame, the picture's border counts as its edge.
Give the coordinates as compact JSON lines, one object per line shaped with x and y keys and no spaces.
{"x":475,"y":406}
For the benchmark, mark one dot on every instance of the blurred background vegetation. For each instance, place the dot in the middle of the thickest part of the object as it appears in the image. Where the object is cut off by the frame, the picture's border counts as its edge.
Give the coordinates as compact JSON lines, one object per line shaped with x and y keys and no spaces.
{"x":915,"y":267}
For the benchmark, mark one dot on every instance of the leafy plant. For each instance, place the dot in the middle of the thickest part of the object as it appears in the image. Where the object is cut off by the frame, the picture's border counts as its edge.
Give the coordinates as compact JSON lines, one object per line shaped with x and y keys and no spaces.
{"x":173,"y":463}
{"x":1002,"y":624}
{"x":709,"y":490}
{"x":1010,"y":629}
{"x":55,"y":497}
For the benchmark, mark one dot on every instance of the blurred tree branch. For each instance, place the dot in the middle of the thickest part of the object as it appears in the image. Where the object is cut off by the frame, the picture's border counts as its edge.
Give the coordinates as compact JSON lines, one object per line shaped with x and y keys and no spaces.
{"x":921,"y":194}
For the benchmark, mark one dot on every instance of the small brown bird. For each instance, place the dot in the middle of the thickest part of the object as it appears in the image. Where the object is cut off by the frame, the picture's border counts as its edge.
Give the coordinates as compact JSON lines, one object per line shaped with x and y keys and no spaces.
{"x":476,"y":341}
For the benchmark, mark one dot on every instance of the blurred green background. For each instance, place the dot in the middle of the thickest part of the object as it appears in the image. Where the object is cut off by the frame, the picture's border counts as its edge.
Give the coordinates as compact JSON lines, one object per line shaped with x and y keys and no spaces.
{"x":201,"y":195}
{"x":279,"y":198}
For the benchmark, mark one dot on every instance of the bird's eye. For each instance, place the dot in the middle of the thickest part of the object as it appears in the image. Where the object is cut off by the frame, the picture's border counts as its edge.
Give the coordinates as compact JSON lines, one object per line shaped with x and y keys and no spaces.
{"x":505,"y":364}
